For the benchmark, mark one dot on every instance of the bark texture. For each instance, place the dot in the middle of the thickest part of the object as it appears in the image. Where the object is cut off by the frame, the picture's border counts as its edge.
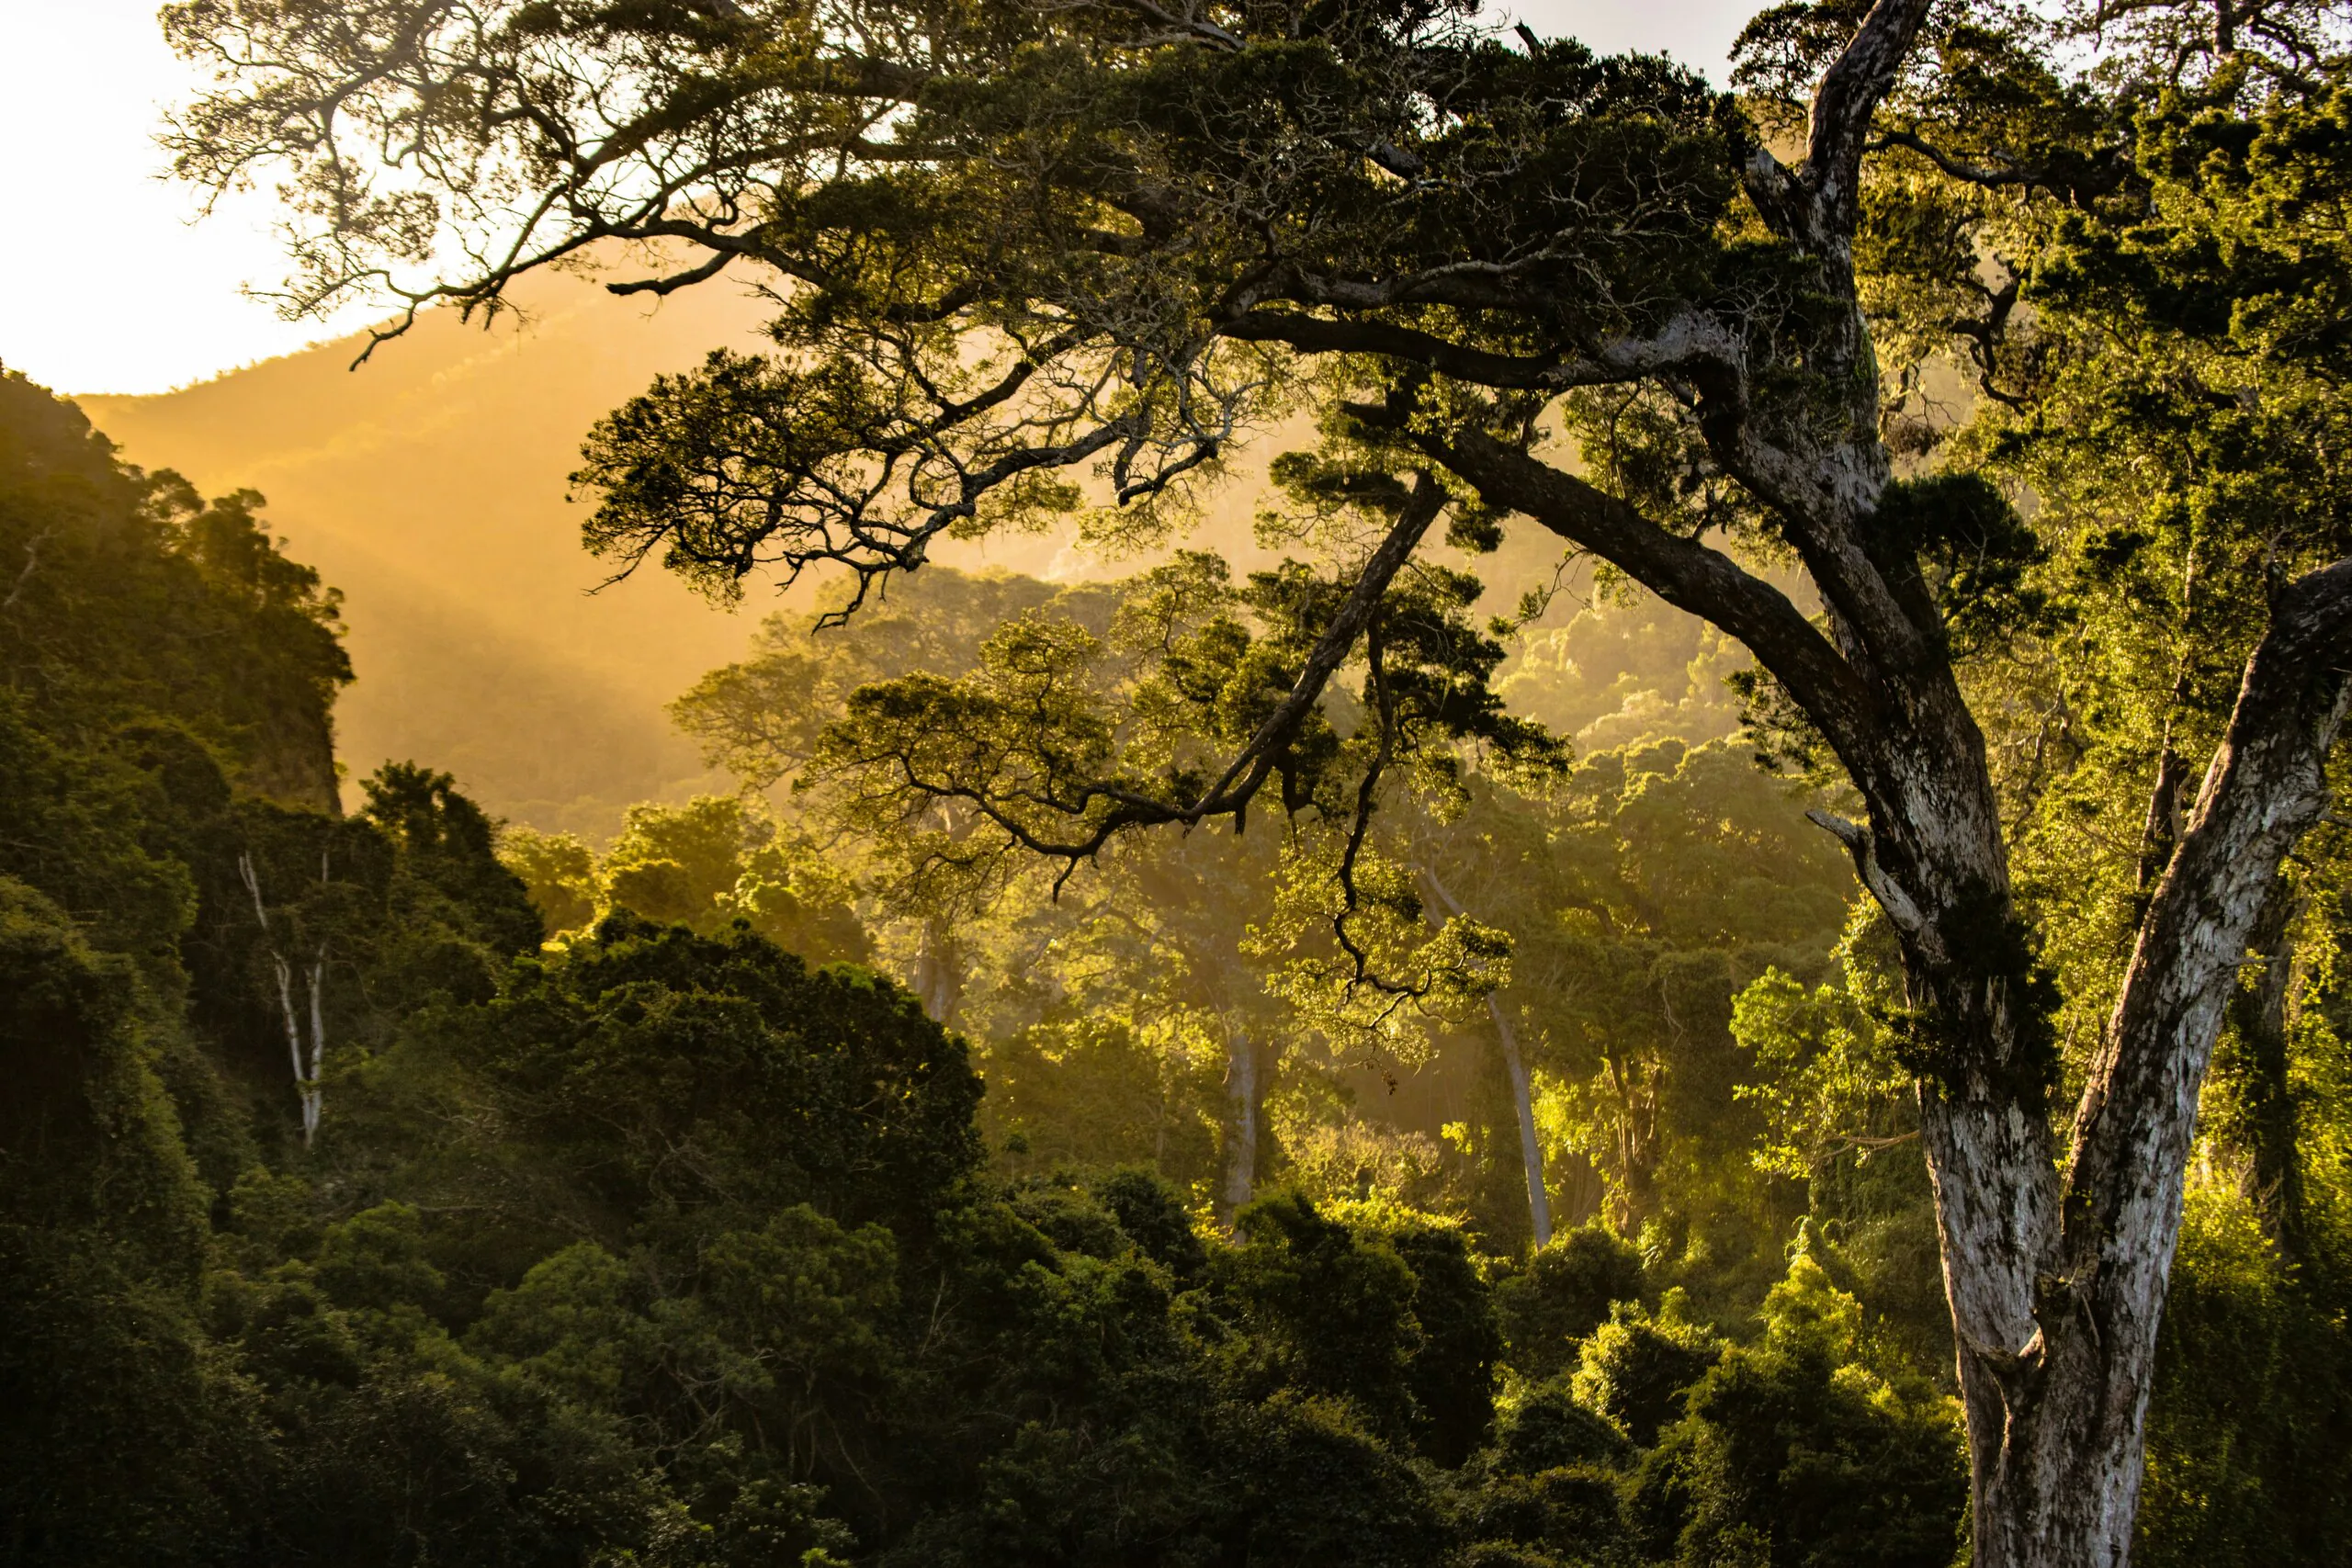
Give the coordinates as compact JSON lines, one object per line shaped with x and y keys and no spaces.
{"x":2059,"y":1293}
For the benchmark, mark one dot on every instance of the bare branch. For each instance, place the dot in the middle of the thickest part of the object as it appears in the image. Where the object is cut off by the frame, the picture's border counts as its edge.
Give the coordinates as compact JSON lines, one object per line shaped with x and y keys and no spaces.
{"x":1862,"y":845}
{"x":663,"y":287}
{"x":1685,"y":573}
{"x":1690,"y":339}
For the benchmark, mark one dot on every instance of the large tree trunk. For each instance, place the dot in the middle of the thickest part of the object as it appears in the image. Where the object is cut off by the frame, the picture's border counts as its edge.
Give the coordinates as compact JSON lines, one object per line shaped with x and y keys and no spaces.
{"x":2057,"y":1279}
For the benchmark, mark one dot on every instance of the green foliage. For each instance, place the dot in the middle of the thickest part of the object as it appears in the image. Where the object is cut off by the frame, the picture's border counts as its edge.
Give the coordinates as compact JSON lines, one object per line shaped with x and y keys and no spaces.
{"x":661,"y":1246}
{"x":1322,"y":1491}
{"x":2246,"y":1449}
{"x":1564,"y":1292}
{"x":1329,"y":1313}
{"x":1968,"y":551}
{"x":1636,"y":1369}
{"x":118,"y":1412}
{"x":1452,"y":1375}
{"x":130,"y":599}
{"x":706,"y":864}
{"x":1794,"y":1451}
{"x":676,"y":1074}
{"x":1827,"y":1082}
{"x":1546,"y":1429}
{"x":559,"y":875}
{"x":1096,"y":1092}
{"x":447,"y":851}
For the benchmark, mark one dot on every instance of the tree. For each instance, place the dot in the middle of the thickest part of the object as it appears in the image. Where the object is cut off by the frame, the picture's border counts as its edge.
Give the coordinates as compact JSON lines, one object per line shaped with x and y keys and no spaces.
{"x":129,"y":594}
{"x":1150,"y":956}
{"x":1641,"y":890}
{"x":1016,"y":240}
{"x":116,"y":1419}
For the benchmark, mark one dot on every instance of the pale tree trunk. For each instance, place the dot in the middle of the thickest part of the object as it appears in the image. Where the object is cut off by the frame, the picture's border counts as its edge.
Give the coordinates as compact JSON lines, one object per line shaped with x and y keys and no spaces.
{"x":1530,"y":1149}
{"x":938,"y":978}
{"x":2057,"y":1277}
{"x":314,"y":1097}
{"x":1523,"y":1093}
{"x":1634,"y":1198}
{"x":308,"y":1065}
{"x":1244,"y":1076}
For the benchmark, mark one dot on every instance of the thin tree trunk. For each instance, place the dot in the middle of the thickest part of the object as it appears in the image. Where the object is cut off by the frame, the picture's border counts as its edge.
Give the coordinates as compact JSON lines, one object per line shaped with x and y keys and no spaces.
{"x":306,"y":1074}
{"x":1522,"y":1095}
{"x":938,"y":979}
{"x":1531,"y":1150}
{"x":314,"y":1091}
{"x":1636,"y":1194}
{"x":1243,"y":1084}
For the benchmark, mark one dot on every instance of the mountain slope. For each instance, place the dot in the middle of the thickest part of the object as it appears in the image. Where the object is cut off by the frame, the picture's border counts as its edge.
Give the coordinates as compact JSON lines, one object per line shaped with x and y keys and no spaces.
{"x":429,"y":486}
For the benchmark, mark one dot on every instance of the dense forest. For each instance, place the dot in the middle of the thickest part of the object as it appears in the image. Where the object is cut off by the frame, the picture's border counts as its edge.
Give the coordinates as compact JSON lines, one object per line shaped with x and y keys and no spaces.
{"x":1717,"y":946}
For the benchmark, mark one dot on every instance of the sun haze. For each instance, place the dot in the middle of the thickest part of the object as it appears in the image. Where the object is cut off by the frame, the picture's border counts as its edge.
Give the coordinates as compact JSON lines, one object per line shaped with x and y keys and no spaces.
{"x":131,"y":296}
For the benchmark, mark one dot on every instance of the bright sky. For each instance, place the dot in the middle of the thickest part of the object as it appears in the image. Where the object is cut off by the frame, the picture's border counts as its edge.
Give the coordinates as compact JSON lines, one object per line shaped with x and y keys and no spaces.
{"x":107,"y":286}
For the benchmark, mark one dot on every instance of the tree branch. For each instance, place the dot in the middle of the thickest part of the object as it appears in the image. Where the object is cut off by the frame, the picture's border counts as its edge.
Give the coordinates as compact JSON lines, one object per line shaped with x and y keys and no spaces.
{"x":661,"y":288}
{"x":1685,"y":573}
{"x":1688,"y":340}
{"x":1850,"y":95}
{"x":1331,"y":651}
{"x":1969,"y":174}
{"x":1073,"y":798}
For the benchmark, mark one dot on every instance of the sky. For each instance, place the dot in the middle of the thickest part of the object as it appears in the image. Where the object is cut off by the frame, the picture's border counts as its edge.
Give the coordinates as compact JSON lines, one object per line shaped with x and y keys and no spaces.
{"x":108,"y":285}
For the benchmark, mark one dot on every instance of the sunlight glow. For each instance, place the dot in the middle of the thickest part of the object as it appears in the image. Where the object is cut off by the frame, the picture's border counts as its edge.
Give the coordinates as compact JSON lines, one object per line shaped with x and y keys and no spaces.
{"x":108,"y":285}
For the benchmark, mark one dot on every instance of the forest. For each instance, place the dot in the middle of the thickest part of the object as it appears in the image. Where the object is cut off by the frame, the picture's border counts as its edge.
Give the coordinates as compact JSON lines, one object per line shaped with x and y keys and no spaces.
{"x":1670,"y":892}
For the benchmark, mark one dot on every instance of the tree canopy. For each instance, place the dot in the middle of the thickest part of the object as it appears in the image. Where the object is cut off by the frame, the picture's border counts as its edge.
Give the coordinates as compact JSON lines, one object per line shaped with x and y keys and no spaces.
{"x":1974,"y":369}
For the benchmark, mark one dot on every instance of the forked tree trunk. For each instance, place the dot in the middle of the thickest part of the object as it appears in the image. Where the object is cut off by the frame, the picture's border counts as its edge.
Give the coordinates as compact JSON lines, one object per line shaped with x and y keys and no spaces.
{"x":308,"y":1067}
{"x":2057,"y":1278}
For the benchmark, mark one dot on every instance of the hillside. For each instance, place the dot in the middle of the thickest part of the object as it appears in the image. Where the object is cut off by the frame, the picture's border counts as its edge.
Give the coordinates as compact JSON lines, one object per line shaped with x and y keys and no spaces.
{"x":428,"y":485}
